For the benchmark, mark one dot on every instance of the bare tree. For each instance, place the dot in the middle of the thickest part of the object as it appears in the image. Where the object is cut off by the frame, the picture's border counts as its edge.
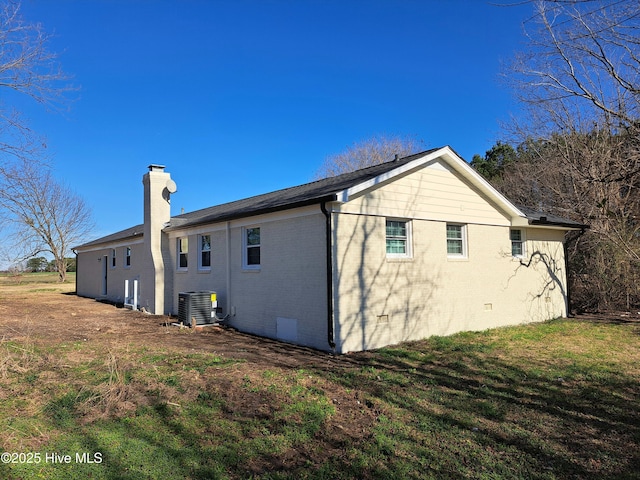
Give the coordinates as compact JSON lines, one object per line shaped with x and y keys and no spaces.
{"x":38,"y":214}
{"x":578,"y":151}
{"x":43,"y":215}
{"x":28,"y":69}
{"x":582,"y":65}
{"x":373,"y":151}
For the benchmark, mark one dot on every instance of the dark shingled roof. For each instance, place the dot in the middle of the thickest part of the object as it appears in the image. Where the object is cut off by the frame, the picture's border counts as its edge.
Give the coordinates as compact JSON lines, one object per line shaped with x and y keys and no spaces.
{"x":132,"y":232}
{"x":301,"y":195}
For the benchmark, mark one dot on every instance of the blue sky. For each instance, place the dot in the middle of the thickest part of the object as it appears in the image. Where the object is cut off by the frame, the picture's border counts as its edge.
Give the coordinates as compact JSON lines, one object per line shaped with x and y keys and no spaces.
{"x":243,"y":97}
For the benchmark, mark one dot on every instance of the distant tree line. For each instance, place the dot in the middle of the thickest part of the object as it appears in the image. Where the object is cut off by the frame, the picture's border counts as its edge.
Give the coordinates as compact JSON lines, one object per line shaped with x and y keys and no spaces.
{"x":41,"y":264}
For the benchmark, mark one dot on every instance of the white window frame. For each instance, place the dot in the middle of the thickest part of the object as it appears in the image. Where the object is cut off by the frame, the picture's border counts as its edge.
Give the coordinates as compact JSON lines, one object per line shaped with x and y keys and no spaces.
{"x":246,"y":247}
{"x":112,"y":260}
{"x":407,"y":238}
{"x":462,"y":239}
{"x":127,"y":257}
{"x":182,"y":251}
{"x":522,"y":242}
{"x":201,"y":251}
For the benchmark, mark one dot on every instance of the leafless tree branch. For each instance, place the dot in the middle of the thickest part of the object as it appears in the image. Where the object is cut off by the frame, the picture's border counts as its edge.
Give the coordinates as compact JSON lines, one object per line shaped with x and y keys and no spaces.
{"x":44,"y":216}
{"x":373,"y":151}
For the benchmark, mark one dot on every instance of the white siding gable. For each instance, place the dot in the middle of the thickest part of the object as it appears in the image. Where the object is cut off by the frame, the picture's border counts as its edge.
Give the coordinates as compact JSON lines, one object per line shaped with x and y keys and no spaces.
{"x":433,"y":191}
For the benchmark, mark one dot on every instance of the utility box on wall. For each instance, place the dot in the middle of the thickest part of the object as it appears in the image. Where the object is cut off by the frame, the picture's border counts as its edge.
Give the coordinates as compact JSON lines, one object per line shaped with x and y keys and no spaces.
{"x":197,"y":307}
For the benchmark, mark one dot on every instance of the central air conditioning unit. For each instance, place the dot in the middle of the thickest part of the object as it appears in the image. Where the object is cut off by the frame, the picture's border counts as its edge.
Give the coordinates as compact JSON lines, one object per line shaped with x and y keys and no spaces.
{"x":198,"y":308}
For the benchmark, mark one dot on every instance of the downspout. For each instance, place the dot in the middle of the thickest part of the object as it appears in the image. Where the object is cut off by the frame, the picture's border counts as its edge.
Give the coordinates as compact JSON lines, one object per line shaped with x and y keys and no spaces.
{"x":228,"y":273}
{"x":76,"y":253}
{"x":566,"y":269}
{"x":329,"y":258}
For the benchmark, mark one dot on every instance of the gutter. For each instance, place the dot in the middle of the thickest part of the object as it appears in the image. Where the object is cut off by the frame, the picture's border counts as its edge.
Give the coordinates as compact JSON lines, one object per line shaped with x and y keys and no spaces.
{"x":76,"y":254}
{"x":329,"y":258}
{"x":239,"y":214}
{"x":570,"y":225}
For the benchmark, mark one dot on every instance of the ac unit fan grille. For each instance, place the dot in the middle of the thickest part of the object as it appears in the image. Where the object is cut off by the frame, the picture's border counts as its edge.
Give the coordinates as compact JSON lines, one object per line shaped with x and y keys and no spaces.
{"x":196,"y":306}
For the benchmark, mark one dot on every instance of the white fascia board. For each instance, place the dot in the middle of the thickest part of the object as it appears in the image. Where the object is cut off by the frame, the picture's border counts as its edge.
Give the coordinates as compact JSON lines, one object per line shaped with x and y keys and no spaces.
{"x":456,"y":163}
{"x":345,"y":195}
{"x":520,"y":222}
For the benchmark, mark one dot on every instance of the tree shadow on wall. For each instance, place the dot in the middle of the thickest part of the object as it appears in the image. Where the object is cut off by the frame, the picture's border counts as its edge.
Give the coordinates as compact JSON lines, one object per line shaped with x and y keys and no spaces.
{"x":379,"y":299}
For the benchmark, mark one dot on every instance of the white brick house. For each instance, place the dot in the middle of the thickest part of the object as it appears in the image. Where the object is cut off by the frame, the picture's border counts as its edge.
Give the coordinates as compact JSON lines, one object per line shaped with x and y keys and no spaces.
{"x":411,"y":248}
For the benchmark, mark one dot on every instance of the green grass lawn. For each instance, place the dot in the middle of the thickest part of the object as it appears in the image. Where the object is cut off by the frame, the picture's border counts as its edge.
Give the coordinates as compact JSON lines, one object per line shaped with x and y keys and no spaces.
{"x":21,"y":278}
{"x":546,"y":401}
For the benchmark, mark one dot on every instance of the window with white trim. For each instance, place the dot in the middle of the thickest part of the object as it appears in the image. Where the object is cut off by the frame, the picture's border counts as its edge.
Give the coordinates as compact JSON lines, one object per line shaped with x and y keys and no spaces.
{"x":204,"y":252}
{"x":456,"y":240}
{"x":127,"y":256}
{"x":183,"y":253}
{"x":251,"y":248}
{"x":398,"y":238}
{"x":113,"y":258}
{"x":517,"y":242}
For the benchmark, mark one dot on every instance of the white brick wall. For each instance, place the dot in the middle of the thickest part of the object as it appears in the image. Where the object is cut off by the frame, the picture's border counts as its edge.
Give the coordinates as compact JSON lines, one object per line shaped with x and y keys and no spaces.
{"x":291,"y":281}
{"x":431,"y":294}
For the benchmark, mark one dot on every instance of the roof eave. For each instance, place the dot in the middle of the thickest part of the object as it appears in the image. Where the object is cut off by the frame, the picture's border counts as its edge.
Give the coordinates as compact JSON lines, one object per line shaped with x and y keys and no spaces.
{"x":559,"y":225}
{"x":98,"y":245}
{"x":259,"y":211}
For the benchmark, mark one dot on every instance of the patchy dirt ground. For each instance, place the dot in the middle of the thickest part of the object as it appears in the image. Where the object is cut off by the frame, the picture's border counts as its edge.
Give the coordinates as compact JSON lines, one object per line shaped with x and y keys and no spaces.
{"x":57,"y":315}
{"x":51,"y":314}
{"x":54,"y":316}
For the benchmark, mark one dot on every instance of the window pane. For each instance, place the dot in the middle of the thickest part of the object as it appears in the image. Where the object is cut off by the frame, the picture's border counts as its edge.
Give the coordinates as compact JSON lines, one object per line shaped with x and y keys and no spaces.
{"x":454,"y":232}
{"x":205,"y":251}
{"x":517,"y":245}
{"x":396,"y":229}
{"x":205,"y":243}
{"x":397,"y":237}
{"x":454,"y":247}
{"x":396,"y":246}
{"x":516,"y":249}
{"x":253,"y":236}
{"x":183,"y":248}
{"x":253,"y":256}
{"x":455,"y":240}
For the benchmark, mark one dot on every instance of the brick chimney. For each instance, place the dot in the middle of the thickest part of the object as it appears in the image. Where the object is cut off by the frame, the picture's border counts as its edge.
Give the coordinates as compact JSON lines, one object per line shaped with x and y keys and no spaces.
{"x":158,"y":188}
